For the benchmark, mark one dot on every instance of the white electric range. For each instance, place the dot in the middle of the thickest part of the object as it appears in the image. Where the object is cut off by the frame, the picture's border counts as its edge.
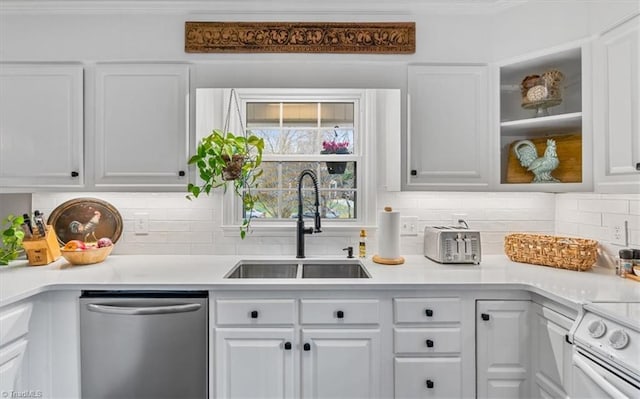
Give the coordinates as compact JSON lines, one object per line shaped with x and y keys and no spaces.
{"x":606,"y":360}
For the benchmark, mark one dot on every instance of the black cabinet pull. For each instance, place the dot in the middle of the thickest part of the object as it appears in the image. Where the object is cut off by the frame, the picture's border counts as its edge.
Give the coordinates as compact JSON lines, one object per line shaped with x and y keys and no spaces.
{"x":75,"y":174}
{"x":414,"y":172}
{"x":254,"y":314}
{"x":566,"y":338}
{"x":638,"y":166}
{"x":429,"y":343}
{"x":485,"y":316}
{"x":340,"y":314}
{"x":181,"y":173}
{"x":429,"y":312}
{"x":429,"y":384}
{"x":287,"y":346}
{"x":307,"y":346}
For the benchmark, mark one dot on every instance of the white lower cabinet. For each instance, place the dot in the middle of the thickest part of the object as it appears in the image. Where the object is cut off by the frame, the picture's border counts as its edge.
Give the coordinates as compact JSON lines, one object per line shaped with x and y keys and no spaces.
{"x":254,"y":363}
{"x":503,"y":343}
{"x":257,"y":352}
{"x":551,"y":360}
{"x":427,"y":343}
{"x":14,"y":330}
{"x":10,"y":363}
{"x":427,"y":378}
{"x":340,"y":363}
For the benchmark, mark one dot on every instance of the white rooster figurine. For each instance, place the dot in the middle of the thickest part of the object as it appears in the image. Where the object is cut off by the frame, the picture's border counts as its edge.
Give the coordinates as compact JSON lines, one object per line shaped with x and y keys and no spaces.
{"x":88,"y":228}
{"x":542,"y":167}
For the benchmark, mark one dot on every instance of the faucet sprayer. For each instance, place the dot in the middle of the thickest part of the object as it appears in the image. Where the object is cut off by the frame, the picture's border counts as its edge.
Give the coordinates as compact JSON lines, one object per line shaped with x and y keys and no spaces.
{"x":300,"y":229}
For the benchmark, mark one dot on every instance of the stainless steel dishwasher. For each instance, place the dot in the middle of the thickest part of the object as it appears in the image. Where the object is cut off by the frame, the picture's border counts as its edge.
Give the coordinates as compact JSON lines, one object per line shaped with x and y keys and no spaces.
{"x":142,"y":344}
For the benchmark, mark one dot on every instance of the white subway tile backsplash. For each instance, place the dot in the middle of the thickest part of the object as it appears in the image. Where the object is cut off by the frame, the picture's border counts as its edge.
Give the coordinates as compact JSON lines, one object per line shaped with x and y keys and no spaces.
{"x":604,"y":205}
{"x":180,"y":226}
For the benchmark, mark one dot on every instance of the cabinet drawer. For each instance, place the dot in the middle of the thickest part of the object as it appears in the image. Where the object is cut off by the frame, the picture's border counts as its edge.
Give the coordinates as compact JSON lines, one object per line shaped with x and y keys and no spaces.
{"x":14,"y":322}
{"x":426,"y":310}
{"x":339,"y":311}
{"x":427,"y":378}
{"x":426,"y":340}
{"x":255,"y":311}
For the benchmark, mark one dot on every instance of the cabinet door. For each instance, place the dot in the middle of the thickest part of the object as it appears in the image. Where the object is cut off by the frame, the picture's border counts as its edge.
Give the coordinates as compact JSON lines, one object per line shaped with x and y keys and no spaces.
{"x":417,"y":378}
{"x":340,"y":364}
{"x":448,"y":137}
{"x":254,"y":363}
{"x":617,"y":109}
{"x":141,"y":125}
{"x":502,"y":346}
{"x":551,"y":360}
{"x":41,"y":125}
{"x":10,"y":364}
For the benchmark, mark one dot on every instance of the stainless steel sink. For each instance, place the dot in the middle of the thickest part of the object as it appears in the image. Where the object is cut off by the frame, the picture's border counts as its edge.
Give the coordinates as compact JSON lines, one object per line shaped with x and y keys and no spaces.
{"x":342,"y":268}
{"x":334,"y":270}
{"x":263,"y":270}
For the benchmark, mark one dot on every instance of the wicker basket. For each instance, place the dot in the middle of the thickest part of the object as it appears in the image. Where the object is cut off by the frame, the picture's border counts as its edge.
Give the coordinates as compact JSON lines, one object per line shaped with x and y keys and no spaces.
{"x":561,"y":252}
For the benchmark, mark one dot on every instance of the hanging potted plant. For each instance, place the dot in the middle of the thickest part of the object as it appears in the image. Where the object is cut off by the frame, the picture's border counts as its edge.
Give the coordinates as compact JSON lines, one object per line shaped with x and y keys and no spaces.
{"x":223,"y":158}
{"x":335,"y":147}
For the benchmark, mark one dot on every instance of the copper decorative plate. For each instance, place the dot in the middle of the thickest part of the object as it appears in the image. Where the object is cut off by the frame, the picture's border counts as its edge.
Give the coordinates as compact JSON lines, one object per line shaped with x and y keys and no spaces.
{"x":86,"y":219}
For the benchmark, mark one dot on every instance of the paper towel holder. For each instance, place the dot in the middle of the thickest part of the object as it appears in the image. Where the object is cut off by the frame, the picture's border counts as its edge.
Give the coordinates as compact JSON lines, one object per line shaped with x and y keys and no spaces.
{"x":388,"y":261}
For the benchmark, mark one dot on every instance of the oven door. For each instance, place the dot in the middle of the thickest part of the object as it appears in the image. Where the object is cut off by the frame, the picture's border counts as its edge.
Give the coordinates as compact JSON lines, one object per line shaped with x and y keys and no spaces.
{"x":592,"y":379}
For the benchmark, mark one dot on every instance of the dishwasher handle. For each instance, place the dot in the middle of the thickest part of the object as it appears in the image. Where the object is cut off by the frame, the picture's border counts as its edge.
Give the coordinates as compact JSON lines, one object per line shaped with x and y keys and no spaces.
{"x":144,"y":310}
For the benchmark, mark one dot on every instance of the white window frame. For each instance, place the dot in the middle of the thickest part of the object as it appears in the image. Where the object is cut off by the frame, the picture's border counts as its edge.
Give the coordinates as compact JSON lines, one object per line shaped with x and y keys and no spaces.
{"x":365,"y":147}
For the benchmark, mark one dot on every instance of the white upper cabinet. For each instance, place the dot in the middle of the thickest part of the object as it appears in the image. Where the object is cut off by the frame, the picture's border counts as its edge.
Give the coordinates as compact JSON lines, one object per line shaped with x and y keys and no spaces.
{"x":41,"y":126}
{"x":617,"y":109}
{"x":447,"y":145}
{"x":141,"y":129}
{"x":544,"y":127}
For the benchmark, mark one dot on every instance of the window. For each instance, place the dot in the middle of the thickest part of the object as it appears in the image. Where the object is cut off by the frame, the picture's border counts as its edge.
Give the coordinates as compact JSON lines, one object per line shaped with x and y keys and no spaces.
{"x":294,"y":124}
{"x":320,"y":135}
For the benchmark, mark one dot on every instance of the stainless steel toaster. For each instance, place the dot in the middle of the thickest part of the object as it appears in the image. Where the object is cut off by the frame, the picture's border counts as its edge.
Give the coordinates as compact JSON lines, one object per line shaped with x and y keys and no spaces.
{"x":452,"y":244}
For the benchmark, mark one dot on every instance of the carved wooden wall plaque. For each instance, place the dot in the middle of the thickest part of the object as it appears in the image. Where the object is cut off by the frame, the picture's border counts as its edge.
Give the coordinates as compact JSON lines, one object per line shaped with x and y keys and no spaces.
{"x":300,"y":37}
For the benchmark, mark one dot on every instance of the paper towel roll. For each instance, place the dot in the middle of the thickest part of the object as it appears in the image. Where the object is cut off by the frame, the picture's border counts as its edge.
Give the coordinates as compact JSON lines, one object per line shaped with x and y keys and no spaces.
{"x":389,"y":234}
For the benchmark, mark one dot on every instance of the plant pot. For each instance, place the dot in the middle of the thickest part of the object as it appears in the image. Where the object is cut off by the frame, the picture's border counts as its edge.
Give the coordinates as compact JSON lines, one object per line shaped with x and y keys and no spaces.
{"x":336,"y":168}
{"x":233,"y":170}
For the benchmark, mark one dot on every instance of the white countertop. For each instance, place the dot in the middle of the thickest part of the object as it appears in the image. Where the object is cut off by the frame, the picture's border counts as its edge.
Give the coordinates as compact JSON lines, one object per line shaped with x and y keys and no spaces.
{"x":19,"y":281}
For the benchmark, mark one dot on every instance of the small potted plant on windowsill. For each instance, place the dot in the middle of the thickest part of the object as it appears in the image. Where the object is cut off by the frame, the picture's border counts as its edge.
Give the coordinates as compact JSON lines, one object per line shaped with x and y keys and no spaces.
{"x":335,"y":147}
{"x":224,"y":158}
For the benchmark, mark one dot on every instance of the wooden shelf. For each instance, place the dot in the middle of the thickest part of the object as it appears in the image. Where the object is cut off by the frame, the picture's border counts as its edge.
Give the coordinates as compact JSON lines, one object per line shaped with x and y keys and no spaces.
{"x":554,"y":124}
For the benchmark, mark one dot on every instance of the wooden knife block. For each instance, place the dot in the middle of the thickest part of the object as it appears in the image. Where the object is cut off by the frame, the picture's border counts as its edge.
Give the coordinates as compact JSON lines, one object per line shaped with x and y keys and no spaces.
{"x":42,"y":250}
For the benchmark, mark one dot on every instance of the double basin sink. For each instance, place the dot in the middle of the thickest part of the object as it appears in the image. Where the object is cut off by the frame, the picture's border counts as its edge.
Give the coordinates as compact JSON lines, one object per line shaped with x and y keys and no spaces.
{"x":344,"y":268}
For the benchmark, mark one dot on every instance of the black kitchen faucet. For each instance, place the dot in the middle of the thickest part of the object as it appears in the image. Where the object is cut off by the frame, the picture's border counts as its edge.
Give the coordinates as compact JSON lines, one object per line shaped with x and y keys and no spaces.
{"x":300,"y":229}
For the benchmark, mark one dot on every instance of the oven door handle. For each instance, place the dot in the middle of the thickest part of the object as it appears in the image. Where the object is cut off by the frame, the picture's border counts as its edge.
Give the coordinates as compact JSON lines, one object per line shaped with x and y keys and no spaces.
{"x":597,"y":378}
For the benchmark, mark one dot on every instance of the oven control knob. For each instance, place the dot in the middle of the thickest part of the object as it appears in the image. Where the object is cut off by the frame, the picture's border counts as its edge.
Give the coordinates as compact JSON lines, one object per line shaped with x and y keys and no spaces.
{"x":619,"y":339}
{"x":597,"y":328}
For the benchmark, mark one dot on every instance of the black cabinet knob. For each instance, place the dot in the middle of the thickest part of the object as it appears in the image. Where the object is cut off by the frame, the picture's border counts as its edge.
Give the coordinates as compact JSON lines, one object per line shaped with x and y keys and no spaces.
{"x":428,"y":312}
{"x":181,"y":173}
{"x":340,"y":314}
{"x":287,"y":346}
{"x":429,"y":384}
{"x":254,"y":314}
{"x":429,"y":343}
{"x":307,"y":346}
{"x":414,"y":172}
{"x":75,"y":174}
{"x":485,"y":317}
